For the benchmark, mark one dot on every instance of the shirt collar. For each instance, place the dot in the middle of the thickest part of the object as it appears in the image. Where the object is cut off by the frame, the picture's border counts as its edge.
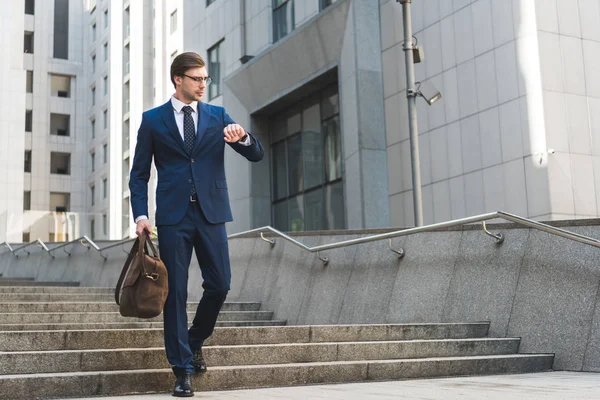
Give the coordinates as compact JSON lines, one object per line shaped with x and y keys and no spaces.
{"x":178,"y":104}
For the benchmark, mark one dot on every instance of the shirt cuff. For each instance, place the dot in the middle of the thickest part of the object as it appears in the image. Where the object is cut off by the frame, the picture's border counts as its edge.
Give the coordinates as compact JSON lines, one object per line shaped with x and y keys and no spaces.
{"x":141,"y":218}
{"x":247,"y":141}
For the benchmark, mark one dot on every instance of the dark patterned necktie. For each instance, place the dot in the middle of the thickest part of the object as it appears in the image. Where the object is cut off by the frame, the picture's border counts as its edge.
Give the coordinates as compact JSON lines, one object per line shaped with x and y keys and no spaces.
{"x":189,"y":133}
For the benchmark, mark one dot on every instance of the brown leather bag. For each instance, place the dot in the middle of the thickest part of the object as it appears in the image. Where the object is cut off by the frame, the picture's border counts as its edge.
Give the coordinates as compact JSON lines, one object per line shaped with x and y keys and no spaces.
{"x":145,"y":282}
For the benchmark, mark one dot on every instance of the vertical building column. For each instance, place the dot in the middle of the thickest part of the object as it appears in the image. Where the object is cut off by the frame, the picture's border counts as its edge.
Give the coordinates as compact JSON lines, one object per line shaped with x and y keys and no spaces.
{"x":363,"y":123}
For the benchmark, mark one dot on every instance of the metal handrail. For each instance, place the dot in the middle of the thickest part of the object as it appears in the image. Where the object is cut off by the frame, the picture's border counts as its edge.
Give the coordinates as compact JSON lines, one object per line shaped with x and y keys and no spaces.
{"x":405,"y":232}
{"x":83,"y":240}
{"x":498,"y":237}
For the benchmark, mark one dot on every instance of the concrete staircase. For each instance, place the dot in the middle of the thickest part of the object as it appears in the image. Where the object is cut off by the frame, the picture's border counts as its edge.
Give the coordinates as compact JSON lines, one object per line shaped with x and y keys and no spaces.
{"x":72,"y":342}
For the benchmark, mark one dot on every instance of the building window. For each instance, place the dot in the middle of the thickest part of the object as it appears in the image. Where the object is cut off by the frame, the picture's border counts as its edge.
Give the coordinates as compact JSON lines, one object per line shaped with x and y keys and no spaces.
{"x":60,"y":85}
{"x":59,"y":124}
{"x":283,"y":18}
{"x":30,"y":7}
{"x":307,"y":188}
{"x":209,"y":2}
{"x":105,"y":85}
{"x":105,"y":153}
{"x":126,"y":60}
{"x":26,"y":200}
{"x":323,"y":4}
{"x":28,"y":43}
{"x":214,"y":69}
{"x":173,"y":21}
{"x":93,"y":32}
{"x":93,"y":127}
{"x":105,"y":118}
{"x":93,"y":96}
{"x":27,"y":161}
{"x":105,"y":18}
{"x":104,"y":224}
{"x":126,"y":23}
{"x":60,"y":163}
{"x":93,"y":161}
{"x":105,"y":50}
{"x":93,"y":195}
{"x":60,"y":202}
{"x":29,"y":82}
{"x":28,"y":120}
{"x":61,"y":29}
{"x":104,"y":188}
{"x":92,"y":228}
{"x":94,"y":64}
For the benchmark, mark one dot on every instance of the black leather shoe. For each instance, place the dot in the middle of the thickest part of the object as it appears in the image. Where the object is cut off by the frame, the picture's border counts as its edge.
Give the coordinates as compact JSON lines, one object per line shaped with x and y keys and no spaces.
{"x":183,"y":385}
{"x":198,"y":362}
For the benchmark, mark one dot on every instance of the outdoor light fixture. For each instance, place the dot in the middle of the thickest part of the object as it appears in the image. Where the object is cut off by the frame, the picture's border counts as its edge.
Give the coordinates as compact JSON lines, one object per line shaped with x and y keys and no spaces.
{"x":418,"y":54}
{"x":427,"y":91}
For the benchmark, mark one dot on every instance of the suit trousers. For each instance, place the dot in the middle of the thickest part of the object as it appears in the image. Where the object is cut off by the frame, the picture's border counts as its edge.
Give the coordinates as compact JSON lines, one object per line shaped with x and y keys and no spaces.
{"x":176,"y":243}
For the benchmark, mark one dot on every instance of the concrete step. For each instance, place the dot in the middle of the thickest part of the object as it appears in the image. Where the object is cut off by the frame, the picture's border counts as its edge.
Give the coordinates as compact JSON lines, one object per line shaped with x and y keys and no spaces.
{"x":54,"y":297}
{"x":94,"y":307}
{"x":22,"y":282}
{"x":152,"y":358}
{"x":111,"y":317}
{"x":54,"y":289}
{"x":81,"y":384}
{"x":145,"y":338}
{"x":6,"y":278}
{"x":125,"y":325}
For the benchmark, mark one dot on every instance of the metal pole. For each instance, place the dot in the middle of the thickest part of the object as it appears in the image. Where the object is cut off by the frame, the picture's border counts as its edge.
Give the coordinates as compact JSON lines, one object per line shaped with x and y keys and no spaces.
{"x":411,"y":94}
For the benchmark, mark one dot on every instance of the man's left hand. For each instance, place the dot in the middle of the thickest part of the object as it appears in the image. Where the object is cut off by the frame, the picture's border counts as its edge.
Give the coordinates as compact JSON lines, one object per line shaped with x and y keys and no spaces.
{"x":233,"y":133}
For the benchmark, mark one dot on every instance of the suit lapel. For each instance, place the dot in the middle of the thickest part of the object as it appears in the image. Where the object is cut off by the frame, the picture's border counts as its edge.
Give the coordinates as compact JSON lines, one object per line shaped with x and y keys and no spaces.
{"x":168,"y":117}
{"x":203,"y":119}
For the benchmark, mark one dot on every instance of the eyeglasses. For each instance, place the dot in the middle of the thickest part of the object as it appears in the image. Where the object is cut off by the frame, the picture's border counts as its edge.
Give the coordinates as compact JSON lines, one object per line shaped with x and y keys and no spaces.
{"x":207,"y":79}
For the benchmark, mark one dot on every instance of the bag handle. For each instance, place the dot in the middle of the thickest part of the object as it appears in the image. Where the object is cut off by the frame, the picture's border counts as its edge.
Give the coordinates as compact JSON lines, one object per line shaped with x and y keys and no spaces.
{"x":132,"y":253}
{"x":139,"y":249}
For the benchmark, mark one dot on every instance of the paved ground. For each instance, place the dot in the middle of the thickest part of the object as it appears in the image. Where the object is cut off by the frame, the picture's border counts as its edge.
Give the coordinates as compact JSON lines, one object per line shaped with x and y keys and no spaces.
{"x":548,"y":385}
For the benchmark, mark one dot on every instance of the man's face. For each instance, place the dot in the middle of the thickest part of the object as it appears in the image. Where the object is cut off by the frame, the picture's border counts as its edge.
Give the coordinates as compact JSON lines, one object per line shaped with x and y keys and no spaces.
{"x":187,"y":88}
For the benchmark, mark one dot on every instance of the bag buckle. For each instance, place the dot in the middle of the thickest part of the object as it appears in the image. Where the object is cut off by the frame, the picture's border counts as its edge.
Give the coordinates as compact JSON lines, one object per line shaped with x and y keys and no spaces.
{"x":153,"y":276}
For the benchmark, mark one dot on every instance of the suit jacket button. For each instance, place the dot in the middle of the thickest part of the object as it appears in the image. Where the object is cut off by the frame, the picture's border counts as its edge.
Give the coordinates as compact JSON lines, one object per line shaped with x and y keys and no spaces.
{"x":193,"y":160}
{"x":189,"y":181}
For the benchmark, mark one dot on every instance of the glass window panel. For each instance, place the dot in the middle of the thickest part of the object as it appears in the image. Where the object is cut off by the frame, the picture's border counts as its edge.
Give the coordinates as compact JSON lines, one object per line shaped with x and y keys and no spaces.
{"x":214,"y":70}
{"x":279,"y":170}
{"x":283,"y":18}
{"x":330,"y":102}
{"x":29,"y":82}
{"x":311,"y":117}
{"x":334,"y":206}
{"x":278,"y":129}
{"x":296,"y":214}
{"x":280,"y":215}
{"x":294,"y":122}
{"x":333,"y":155}
{"x":314,"y":210}
{"x":294,"y":153}
{"x":312,"y":152}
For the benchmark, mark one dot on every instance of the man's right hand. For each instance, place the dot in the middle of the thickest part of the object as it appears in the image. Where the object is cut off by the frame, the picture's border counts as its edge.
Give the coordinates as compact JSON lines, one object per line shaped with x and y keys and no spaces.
{"x":142,"y":225}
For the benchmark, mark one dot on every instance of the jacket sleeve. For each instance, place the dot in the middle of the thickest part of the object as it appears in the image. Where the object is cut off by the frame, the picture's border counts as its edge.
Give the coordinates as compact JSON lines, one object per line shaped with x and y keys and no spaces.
{"x":254,"y":152}
{"x":140,"y":170}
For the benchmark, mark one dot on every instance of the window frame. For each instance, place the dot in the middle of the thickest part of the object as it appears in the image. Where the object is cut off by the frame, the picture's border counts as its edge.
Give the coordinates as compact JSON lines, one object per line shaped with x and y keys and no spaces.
{"x":326,"y":182}
{"x":277,"y":5}
{"x":215,"y":73}
{"x":173,"y":22}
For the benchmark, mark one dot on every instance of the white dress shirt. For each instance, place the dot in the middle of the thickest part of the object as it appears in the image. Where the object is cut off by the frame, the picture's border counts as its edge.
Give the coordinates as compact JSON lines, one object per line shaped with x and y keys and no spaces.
{"x":179,"y":114}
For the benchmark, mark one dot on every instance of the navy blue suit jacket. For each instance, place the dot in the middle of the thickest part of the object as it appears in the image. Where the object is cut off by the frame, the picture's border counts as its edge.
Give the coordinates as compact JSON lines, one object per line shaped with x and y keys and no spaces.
{"x":159,"y":137}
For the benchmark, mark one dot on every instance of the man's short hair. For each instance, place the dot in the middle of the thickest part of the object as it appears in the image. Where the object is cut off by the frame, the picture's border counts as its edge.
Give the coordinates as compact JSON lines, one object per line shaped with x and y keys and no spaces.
{"x":183,"y":62}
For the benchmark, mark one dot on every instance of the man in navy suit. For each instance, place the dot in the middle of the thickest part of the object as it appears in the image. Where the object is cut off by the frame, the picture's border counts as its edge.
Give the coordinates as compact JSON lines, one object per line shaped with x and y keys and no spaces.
{"x":187,"y":140}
